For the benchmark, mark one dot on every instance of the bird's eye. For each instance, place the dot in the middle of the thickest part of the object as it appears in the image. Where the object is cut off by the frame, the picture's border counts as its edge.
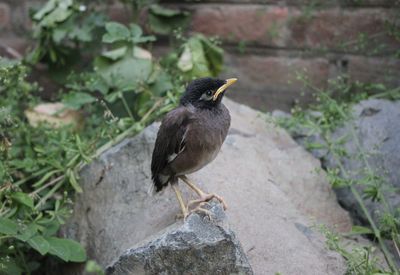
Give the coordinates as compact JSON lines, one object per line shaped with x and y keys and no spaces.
{"x":207,"y":96}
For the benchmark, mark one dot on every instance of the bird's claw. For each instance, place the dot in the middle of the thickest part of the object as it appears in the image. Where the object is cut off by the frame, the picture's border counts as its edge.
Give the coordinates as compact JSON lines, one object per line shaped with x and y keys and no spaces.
{"x":199,"y":208}
{"x":206,"y":198}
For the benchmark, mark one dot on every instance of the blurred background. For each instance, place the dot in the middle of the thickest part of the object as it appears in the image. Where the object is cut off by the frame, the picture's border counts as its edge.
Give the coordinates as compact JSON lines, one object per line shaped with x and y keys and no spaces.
{"x":267,"y":43}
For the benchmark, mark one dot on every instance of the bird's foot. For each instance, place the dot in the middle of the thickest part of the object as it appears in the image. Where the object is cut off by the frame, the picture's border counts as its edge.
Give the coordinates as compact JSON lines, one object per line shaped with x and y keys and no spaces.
{"x":200,"y":208}
{"x":206,"y":198}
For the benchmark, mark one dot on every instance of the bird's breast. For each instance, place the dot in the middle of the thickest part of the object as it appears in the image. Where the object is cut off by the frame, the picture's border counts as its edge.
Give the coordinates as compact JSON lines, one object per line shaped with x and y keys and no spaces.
{"x":204,"y":139}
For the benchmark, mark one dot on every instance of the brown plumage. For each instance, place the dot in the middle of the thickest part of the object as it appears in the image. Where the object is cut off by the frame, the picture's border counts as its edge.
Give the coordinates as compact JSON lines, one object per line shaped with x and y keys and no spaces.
{"x":191,"y":135}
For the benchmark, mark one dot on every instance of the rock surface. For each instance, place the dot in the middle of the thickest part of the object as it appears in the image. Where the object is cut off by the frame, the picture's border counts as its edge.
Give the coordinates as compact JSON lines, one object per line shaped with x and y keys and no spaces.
{"x":377,"y":126}
{"x":197,"y":246}
{"x":270,"y":183}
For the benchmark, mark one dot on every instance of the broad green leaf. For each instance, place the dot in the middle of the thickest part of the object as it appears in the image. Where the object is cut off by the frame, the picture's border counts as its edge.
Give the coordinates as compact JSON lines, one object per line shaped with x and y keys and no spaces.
{"x":115,"y":54}
{"x":59,"y":34}
{"x":23,"y":198}
{"x":27,"y":232}
{"x":136,"y":30}
{"x":48,"y":7}
{"x":66,"y":249}
{"x":115,"y":32}
{"x":162,"y":11}
{"x":161,"y":84}
{"x":124,"y":74}
{"x":185,"y":62}
{"x":78,"y":253}
{"x":76,"y":100}
{"x":214,"y":55}
{"x":200,"y":58}
{"x":81,"y":33}
{"x":39,"y":244}
{"x":165,"y":21}
{"x":59,"y":248}
{"x":61,"y":13}
{"x":8,"y":227}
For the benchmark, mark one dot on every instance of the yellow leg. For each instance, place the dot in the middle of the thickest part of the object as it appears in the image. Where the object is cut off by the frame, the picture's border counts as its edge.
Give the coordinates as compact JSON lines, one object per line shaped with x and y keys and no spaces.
{"x":180,"y":200}
{"x":204,"y":197}
{"x":191,"y":185}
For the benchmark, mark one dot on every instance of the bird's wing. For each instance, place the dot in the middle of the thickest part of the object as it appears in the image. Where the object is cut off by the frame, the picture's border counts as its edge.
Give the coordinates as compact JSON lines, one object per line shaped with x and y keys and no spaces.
{"x":169,"y":143}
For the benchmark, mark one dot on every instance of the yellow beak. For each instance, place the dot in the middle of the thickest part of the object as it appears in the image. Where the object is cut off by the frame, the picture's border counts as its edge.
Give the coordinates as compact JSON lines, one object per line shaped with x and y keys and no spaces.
{"x":228,"y":83}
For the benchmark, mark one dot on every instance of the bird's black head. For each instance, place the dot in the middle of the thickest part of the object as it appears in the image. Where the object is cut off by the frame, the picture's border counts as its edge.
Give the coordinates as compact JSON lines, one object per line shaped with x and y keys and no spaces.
{"x":206,"y":92}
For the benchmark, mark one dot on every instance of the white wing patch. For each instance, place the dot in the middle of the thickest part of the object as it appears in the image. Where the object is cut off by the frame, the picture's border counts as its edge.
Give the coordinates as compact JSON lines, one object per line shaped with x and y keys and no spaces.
{"x":174,"y":155}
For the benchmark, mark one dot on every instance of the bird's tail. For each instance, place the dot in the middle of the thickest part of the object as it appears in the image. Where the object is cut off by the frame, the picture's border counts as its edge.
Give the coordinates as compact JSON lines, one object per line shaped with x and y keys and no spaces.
{"x":160,"y":181}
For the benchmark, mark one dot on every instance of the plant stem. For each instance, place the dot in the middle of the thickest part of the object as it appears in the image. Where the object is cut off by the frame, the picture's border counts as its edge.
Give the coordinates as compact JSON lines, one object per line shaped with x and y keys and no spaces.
{"x":38,"y":173}
{"x":375,"y":229}
{"x":47,"y":185}
{"x":126,"y":106}
{"x":49,"y":194}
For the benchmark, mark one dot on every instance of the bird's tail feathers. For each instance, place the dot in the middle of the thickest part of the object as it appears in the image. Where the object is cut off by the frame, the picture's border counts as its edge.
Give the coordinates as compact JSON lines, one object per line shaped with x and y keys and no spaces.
{"x":160,"y":181}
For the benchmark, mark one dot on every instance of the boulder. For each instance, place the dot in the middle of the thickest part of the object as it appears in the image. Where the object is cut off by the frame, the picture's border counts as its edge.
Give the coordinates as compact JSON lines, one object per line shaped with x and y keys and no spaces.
{"x":376,"y":123}
{"x":197,"y":246}
{"x":377,"y":126}
{"x":274,"y":195}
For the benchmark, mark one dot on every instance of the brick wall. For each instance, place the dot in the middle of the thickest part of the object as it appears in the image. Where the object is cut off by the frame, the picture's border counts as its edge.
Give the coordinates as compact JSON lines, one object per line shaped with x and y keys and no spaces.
{"x":268,"y":41}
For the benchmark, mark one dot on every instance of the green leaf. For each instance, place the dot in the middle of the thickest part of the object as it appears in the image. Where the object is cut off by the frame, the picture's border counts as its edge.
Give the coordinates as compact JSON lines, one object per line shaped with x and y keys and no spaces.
{"x":93,"y":267}
{"x":125,"y":74}
{"x":76,"y":100}
{"x":165,"y":21}
{"x":162,"y":11}
{"x":48,"y":7}
{"x":185,"y":62}
{"x":115,"y":32}
{"x":214,"y":55}
{"x":27,"y":232}
{"x":39,"y":244}
{"x":8,"y":227}
{"x":59,"y":248}
{"x":115,"y":54}
{"x":161,"y":84}
{"x":60,"y":14}
{"x":136,"y":30}
{"x":72,"y":180}
{"x":193,"y":60}
{"x":66,"y":249}
{"x":358,"y":230}
{"x":23,"y":198}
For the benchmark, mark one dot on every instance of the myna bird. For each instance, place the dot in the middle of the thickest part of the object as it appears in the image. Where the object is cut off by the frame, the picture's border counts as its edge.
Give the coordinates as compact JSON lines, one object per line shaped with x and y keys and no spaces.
{"x":190,"y":137}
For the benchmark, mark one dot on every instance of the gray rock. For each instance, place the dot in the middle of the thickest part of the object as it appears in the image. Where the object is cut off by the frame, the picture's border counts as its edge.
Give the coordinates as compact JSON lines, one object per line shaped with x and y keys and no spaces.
{"x":377,"y":126}
{"x":270,"y":183}
{"x":198,"y":246}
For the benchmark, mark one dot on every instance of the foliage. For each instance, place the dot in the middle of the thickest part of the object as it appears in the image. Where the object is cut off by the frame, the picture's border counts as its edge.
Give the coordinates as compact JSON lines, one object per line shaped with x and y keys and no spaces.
{"x":120,"y":88}
{"x":331,"y":111}
{"x":165,"y":21}
{"x":360,"y":260}
{"x":34,"y":166}
{"x":62,"y":29}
